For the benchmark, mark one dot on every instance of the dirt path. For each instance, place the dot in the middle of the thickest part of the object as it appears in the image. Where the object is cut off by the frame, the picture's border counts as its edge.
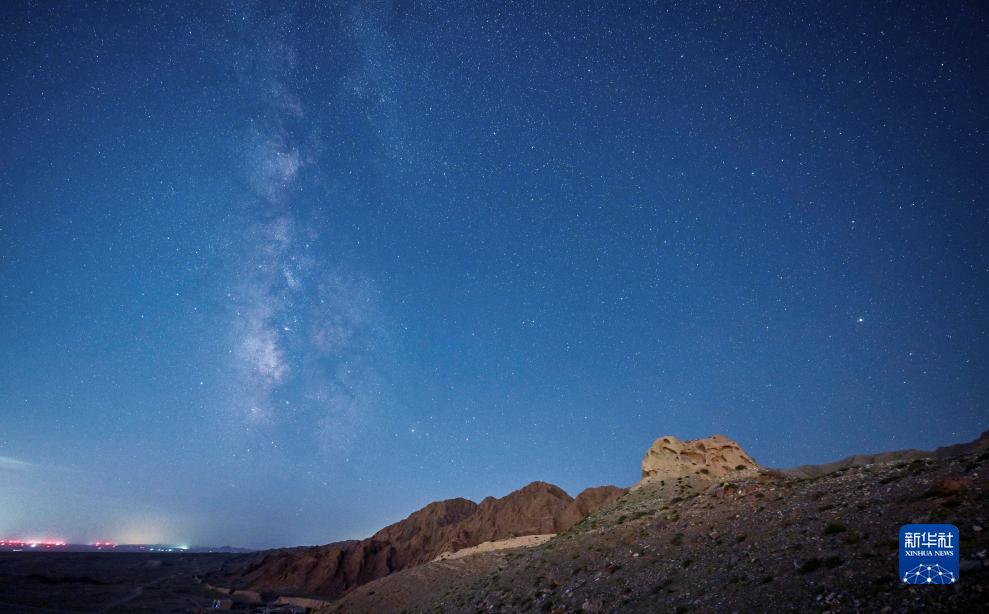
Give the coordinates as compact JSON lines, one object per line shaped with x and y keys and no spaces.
{"x":134,"y":594}
{"x":525,"y":541}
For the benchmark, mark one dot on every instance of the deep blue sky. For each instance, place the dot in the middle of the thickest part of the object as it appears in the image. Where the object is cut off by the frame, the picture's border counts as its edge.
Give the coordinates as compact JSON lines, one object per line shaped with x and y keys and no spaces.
{"x":273,"y":276}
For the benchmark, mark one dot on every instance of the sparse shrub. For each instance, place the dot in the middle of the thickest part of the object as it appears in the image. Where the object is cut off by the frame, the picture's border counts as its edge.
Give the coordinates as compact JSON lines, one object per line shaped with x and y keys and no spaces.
{"x":741,"y":538}
{"x":687,"y":563}
{"x":833,"y":561}
{"x":739,"y":467}
{"x":834,"y":527}
{"x":934,"y":493}
{"x":810,"y":565}
{"x":677,"y":539}
{"x":705,"y":471}
{"x":767,"y":580}
{"x":853,"y":538}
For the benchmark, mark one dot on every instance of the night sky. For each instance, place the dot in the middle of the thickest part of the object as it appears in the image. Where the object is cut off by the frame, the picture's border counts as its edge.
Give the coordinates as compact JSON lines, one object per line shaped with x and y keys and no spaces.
{"x":276,"y":275}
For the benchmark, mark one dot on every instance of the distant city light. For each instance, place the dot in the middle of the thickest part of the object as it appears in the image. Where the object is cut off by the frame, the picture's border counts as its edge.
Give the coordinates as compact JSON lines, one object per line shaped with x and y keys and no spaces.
{"x":32,"y":543}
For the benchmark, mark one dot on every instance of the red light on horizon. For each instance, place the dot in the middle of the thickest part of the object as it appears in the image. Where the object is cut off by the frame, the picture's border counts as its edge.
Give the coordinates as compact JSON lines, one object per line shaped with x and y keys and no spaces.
{"x":33,"y":543}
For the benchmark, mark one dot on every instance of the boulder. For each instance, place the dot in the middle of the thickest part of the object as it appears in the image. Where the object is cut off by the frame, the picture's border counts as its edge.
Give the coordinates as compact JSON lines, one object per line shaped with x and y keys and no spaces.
{"x":713,"y":459}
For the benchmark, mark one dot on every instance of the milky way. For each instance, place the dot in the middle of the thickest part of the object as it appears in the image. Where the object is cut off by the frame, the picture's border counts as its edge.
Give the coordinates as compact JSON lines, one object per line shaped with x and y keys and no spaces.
{"x":303,"y":325}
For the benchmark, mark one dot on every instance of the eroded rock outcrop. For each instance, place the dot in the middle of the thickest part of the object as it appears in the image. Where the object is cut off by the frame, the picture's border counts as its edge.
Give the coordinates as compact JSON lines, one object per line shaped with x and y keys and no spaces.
{"x":714,"y":458}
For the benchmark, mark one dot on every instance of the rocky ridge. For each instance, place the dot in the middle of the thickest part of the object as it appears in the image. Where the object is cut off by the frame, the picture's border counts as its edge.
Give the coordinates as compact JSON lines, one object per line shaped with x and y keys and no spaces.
{"x":440,"y":527}
{"x":859,"y":460}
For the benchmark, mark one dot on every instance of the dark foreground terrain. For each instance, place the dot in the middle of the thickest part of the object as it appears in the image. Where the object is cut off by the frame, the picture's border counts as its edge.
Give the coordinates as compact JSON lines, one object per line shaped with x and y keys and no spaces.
{"x":773,"y":542}
{"x":695,"y":535}
{"x":105,"y":582}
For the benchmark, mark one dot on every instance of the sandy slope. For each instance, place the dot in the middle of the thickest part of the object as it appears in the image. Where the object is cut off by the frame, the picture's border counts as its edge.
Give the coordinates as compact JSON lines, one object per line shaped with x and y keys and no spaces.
{"x":525,"y":541}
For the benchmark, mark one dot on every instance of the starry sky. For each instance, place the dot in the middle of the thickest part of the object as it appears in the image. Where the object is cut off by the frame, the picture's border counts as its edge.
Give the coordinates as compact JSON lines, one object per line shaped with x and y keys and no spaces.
{"x":282,"y":273}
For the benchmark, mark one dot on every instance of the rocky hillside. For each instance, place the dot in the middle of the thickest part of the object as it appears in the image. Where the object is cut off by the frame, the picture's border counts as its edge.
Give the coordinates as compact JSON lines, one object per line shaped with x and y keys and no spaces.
{"x":444,"y":526}
{"x":817,"y":541}
{"x":858,"y":460}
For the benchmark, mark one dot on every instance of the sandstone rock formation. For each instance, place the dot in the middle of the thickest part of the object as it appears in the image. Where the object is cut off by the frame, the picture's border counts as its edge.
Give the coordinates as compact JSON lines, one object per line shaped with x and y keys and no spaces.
{"x":443,"y":526}
{"x":712,"y":459}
